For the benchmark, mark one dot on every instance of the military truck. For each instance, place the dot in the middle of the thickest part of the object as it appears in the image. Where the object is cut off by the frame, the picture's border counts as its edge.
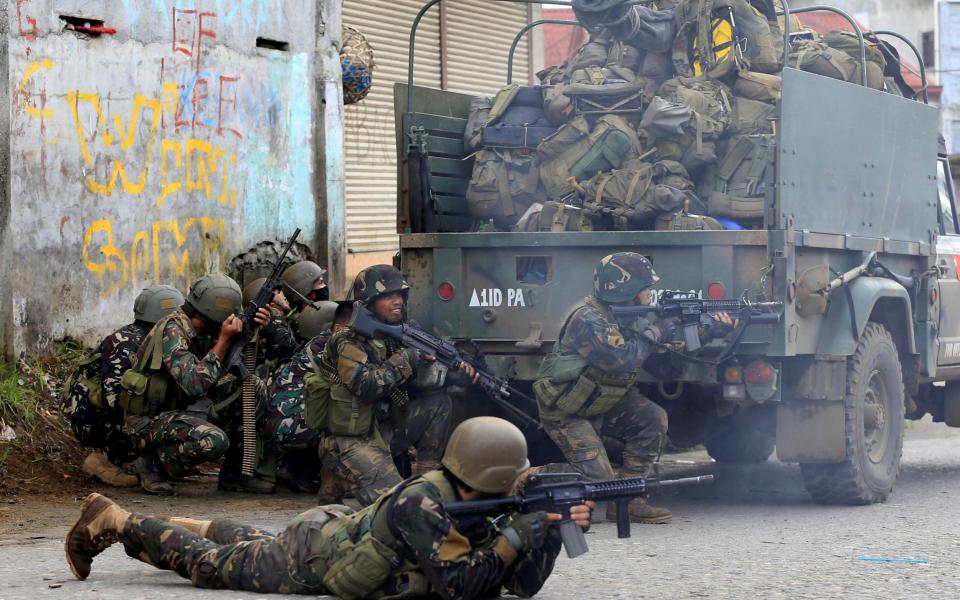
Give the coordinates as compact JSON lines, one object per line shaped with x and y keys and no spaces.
{"x":859,"y":241}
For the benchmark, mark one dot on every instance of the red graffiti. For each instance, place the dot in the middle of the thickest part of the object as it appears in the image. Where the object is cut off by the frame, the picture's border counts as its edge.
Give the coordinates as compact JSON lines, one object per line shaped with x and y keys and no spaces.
{"x":227,"y":105}
{"x":188,"y":31}
{"x":31,"y":33}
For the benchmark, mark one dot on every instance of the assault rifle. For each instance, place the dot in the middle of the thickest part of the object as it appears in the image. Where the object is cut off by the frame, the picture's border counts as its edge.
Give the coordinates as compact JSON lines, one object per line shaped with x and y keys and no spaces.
{"x":676,"y":305}
{"x":544,"y":492}
{"x":241,"y":358}
{"x":365,"y":322}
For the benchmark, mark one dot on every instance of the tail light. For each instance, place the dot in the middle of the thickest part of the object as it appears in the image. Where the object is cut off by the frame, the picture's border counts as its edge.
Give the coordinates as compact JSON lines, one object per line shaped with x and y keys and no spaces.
{"x":761,"y":380}
{"x":446,"y":291}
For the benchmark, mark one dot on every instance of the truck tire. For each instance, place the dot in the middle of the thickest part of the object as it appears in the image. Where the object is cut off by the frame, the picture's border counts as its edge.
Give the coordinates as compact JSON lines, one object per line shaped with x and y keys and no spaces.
{"x":748,"y":438}
{"x":873,"y":427}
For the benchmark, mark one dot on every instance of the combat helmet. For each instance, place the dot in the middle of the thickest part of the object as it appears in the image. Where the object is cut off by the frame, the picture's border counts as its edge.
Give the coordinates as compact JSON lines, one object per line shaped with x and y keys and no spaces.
{"x":621,"y":276}
{"x":316,"y":318}
{"x":155,"y":302}
{"x":301,"y":277}
{"x":378,"y":280}
{"x":215,"y":297}
{"x":252,"y":289}
{"x":486,"y":453}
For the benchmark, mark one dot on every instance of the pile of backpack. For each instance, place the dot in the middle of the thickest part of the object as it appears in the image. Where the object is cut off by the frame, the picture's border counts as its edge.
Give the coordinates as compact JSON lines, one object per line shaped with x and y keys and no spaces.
{"x":664,"y":119}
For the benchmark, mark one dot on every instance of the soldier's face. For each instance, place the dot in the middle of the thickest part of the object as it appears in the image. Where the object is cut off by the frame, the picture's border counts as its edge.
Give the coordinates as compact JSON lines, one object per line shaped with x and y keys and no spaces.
{"x":645,"y":297}
{"x":389,"y":307}
{"x":320,"y":291}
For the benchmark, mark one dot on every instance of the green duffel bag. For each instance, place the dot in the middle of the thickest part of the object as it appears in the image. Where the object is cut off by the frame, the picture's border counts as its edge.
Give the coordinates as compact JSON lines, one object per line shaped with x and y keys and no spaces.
{"x":504,"y":183}
{"x":848,"y":43}
{"x":817,"y":57}
{"x":635,"y":195}
{"x":741,"y":178}
{"x":316,"y":400}
{"x":687,"y":222}
{"x":578,"y":151}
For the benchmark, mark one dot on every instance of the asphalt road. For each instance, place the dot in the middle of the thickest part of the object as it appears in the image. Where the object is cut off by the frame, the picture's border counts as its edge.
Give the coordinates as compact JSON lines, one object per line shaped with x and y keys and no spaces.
{"x":755,"y":533}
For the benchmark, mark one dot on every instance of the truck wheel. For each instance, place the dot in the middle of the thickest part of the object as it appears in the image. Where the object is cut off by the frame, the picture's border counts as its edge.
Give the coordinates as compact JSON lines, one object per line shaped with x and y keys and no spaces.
{"x":873,"y":427}
{"x":748,"y":438}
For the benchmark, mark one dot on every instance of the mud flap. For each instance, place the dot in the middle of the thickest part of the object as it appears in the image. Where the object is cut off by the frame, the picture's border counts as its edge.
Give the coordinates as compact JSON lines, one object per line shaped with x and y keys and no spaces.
{"x":810,"y":420}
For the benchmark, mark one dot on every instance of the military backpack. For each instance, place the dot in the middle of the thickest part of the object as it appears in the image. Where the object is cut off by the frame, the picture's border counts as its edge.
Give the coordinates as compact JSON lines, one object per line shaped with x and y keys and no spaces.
{"x":635,"y":195}
{"x":742,"y":177}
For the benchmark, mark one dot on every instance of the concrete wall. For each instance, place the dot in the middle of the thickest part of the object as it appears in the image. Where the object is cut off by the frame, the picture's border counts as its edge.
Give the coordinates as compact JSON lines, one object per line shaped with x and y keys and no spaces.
{"x":155,"y":154}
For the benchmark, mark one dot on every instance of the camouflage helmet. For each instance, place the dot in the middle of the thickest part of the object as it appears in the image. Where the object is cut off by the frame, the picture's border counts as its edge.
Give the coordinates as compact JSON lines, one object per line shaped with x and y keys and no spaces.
{"x":375,"y":281}
{"x":215,"y":297}
{"x":486,"y":453}
{"x":155,"y":302}
{"x":251,"y":289}
{"x":620,"y":277}
{"x":316,"y":318}
{"x":301,"y":277}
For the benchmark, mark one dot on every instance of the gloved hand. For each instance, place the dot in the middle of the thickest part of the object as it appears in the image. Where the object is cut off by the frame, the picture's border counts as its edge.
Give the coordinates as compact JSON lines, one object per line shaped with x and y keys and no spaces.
{"x":526,"y":531}
{"x":661,"y":331}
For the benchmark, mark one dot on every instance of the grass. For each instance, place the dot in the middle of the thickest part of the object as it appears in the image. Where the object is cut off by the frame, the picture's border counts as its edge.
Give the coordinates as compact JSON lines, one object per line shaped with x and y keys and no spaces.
{"x":18,"y":401}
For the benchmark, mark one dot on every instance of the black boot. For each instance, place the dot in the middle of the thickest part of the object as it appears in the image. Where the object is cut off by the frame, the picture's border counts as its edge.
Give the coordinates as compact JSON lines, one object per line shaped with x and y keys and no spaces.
{"x":232,"y":480}
{"x":152,"y":477}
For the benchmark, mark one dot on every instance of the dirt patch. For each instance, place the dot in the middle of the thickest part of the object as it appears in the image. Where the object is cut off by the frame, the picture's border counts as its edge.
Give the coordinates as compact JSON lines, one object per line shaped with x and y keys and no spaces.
{"x":44,"y":457}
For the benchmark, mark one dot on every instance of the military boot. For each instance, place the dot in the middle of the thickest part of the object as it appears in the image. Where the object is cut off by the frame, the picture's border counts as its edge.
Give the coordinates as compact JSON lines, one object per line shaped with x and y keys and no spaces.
{"x":99,"y":526}
{"x":331,"y":489}
{"x":232,"y":480}
{"x":97,"y":465}
{"x":152,"y":478}
{"x":641,"y":512}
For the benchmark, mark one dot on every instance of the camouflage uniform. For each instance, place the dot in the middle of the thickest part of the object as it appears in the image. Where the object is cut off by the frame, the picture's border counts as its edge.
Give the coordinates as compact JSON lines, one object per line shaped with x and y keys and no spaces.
{"x":282,"y":420}
{"x":103,"y":428}
{"x":276,"y":343}
{"x":381,"y":374}
{"x":184,"y":437}
{"x":609,"y":352}
{"x":434,"y":555}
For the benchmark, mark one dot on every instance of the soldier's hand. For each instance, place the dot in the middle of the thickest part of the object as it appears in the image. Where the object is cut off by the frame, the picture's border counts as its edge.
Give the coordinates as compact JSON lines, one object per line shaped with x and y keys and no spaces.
{"x":262,"y":318}
{"x":230,"y":328}
{"x":470,"y":371}
{"x":280,"y":302}
{"x":580,"y":514}
{"x":528,"y":531}
{"x":726,"y":319}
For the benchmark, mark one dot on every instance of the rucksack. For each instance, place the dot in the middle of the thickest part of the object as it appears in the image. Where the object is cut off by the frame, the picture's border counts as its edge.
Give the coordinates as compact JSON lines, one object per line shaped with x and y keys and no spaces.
{"x":719,"y":37}
{"x":476,"y":119}
{"x":817,"y":57}
{"x":686,"y":118}
{"x":504,"y":183}
{"x":686,"y":222}
{"x":636,"y":194}
{"x":848,"y":43}
{"x":741,"y":177}
{"x":516,"y":119}
{"x":751,"y":116}
{"x":580,"y":151}
{"x":598,"y":90}
{"x":764,"y":87}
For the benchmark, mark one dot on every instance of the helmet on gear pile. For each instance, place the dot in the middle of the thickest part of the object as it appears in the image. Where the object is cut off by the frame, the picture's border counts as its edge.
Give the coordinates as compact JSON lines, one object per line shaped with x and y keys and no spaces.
{"x":215,"y":297}
{"x":621,"y":276}
{"x":378,"y":280}
{"x":301,"y":277}
{"x":486,"y":453}
{"x":155,"y":302}
{"x":314,"y":321}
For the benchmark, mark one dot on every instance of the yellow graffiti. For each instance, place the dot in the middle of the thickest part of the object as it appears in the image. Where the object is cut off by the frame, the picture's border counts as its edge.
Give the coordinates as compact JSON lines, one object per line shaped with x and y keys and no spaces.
{"x":32,"y":68}
{"x":160,"y":253}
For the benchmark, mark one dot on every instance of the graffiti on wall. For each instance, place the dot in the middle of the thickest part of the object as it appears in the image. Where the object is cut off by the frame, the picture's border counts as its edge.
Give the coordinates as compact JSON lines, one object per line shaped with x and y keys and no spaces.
{"x":177,"y":148}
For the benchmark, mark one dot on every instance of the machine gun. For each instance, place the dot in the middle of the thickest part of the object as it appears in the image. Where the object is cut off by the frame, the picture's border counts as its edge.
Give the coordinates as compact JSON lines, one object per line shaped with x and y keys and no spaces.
{"x":241,"y":358}
{"x":676,"y":305}
{"x":363,"y":321}
{"x":544,"y":492}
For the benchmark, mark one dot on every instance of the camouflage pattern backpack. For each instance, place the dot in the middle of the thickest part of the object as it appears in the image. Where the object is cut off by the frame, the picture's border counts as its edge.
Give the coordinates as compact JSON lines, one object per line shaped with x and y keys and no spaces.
{"x":817,"y":57}
{"x":716,"y":38}
{"x":763,"y":87}
{"x":504,"y":183}
{"x":847,"y":42}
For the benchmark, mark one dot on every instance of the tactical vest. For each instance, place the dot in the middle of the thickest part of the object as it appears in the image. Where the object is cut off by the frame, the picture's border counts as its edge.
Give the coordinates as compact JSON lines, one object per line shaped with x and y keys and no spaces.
{"x":85,"y":385}
{"x":567,"y":382}
{"x":368,"y":548}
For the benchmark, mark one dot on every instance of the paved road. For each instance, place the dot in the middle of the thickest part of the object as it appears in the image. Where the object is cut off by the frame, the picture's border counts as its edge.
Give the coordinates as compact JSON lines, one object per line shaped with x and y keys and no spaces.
{"x":753,"y":534}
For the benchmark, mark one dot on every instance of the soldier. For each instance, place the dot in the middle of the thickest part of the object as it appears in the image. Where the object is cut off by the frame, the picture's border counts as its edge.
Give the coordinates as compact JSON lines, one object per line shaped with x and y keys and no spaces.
{"x":285,"y":435}
{"x":92,"y":405}
{"x":275,"y":342}
{"x":305,"y":281}
{"x":404,"y":545}
{"x":384,"y":398}
{"x":585,"y":387}
{"x":179,"y":383}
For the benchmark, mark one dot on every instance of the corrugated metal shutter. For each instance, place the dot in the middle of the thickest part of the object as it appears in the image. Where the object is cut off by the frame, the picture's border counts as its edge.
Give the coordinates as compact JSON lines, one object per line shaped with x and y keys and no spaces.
{"x":481,"y":69}
{"x":371,"y":181}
